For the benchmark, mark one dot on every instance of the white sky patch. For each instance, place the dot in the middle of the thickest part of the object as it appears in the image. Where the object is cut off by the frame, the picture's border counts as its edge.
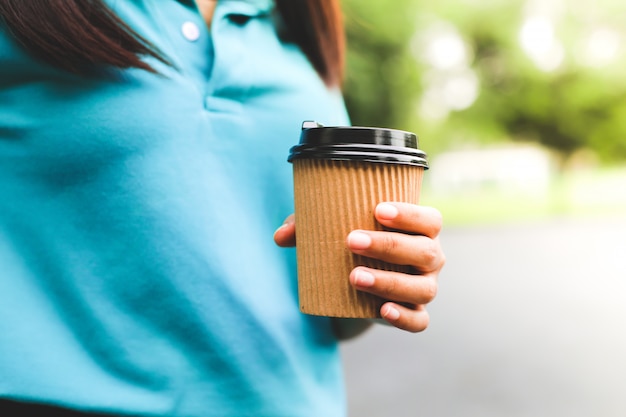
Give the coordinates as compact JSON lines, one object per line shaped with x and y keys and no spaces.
{"x":461,"y":90}
{"x":446,"y":51}
{"x":450,"y":85}
{"x":538,"y":39}
{"x":441,"y":46}
{"x":600,"y":48}
{"x":448,"y":91}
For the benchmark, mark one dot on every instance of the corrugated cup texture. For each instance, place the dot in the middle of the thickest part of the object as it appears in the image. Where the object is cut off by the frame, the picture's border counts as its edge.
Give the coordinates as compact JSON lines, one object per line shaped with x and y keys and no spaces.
{"x":333,"y":198}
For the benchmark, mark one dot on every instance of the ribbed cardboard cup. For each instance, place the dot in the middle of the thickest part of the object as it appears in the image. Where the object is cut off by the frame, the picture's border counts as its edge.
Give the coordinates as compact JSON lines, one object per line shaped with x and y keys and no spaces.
{"x":340,"y":175}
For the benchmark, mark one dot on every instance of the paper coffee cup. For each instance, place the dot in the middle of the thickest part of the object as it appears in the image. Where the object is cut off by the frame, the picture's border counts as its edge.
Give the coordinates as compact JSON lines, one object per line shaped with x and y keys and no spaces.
{"x":340,"y":175}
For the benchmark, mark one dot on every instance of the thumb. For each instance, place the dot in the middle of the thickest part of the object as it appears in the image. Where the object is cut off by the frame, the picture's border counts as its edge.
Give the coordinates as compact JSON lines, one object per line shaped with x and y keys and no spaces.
{"x":285,"y":235}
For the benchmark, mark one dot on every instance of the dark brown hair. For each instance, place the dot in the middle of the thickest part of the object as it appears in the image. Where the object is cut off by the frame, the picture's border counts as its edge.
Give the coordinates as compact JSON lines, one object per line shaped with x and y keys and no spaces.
{"x":317,"y":27}
{"x":80,"y":35}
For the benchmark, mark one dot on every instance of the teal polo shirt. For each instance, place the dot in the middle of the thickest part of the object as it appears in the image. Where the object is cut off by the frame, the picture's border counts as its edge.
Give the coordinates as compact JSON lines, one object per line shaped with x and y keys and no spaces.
{"x":138,"y":271}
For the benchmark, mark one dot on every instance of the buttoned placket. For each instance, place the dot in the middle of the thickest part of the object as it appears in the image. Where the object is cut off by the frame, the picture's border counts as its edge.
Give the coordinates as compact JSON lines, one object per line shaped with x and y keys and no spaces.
{"x":194,"y":42}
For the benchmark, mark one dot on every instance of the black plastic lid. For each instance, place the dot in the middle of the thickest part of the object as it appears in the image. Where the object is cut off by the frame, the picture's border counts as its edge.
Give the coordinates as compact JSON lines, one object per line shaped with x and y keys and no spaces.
{"x":347,"y":143}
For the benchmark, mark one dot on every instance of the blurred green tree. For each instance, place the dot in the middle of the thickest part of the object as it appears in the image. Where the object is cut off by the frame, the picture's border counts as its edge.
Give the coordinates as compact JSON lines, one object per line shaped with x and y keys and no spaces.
{"x":526,"y":71}
{"x":382,"y":79}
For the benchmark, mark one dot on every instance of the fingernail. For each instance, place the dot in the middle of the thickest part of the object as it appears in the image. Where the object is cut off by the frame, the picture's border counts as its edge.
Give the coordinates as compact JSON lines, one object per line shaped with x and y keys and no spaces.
{"x":359,"y":240}
{"x":391,"y":313}
{"x":386,"y":211}
{"x":282,"y":226}
{"x":363,"y":278}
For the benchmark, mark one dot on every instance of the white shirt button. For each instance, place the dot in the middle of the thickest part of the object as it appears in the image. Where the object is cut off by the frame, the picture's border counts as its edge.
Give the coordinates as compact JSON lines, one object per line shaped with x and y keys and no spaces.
{"x":191,"y":31}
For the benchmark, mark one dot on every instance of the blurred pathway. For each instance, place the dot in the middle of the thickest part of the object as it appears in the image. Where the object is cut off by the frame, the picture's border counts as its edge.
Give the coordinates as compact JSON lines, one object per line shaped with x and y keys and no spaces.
{"x":530,"y":321}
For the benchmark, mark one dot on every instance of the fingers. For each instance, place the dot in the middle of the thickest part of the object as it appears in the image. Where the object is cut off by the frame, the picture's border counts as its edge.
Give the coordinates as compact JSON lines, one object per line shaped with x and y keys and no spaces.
{"x":411,"y":320}
{"x":285,"y":235}
{"x":413,"y":241}
{"x":402,"y":288}
{"x":410,"y":218}
{"x":419,"y":251}
{"x":413,"y":290}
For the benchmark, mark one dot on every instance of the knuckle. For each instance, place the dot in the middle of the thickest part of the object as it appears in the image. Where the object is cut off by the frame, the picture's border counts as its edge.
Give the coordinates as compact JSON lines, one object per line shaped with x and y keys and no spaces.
{"x":432,"y":219}
{"x":430,"y":255}
{"x":388,"y":244}
{"x":437,"y":219}
{"x":429,"y":290}
{"x":390,"y":287}
{"x":419,"y":325}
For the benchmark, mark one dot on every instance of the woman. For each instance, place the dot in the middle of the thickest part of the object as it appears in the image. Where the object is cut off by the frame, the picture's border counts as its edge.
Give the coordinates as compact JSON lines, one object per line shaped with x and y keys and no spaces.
{"x":143,"y":170}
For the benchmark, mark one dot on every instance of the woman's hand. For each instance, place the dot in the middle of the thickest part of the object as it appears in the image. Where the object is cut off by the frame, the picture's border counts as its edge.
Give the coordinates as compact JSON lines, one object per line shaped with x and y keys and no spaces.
{"x":415,"y":243}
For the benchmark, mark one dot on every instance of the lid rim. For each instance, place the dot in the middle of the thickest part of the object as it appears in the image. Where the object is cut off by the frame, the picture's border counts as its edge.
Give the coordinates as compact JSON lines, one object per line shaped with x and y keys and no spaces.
{"x":346,"y":147}
{"x":420,"y":163}
{"x":358,"y":143}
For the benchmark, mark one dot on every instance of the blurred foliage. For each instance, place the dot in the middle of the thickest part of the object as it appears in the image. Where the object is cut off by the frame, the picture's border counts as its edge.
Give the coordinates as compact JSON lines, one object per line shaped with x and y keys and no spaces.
{"x":573,"y":106}
{"x":382,"y":80}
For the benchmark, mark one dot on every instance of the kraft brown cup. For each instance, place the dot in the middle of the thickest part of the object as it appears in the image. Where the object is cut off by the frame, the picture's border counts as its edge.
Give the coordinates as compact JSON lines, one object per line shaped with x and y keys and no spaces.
{"x":340,"y":175}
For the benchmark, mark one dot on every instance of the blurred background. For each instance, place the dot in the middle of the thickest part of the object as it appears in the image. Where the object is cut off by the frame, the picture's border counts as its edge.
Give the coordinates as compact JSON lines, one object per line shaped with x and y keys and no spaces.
{"x":521,"y":107}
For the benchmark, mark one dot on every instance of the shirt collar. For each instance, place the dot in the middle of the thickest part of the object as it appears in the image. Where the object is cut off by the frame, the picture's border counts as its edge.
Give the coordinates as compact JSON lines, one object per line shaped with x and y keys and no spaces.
{"x":242,"y":7}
